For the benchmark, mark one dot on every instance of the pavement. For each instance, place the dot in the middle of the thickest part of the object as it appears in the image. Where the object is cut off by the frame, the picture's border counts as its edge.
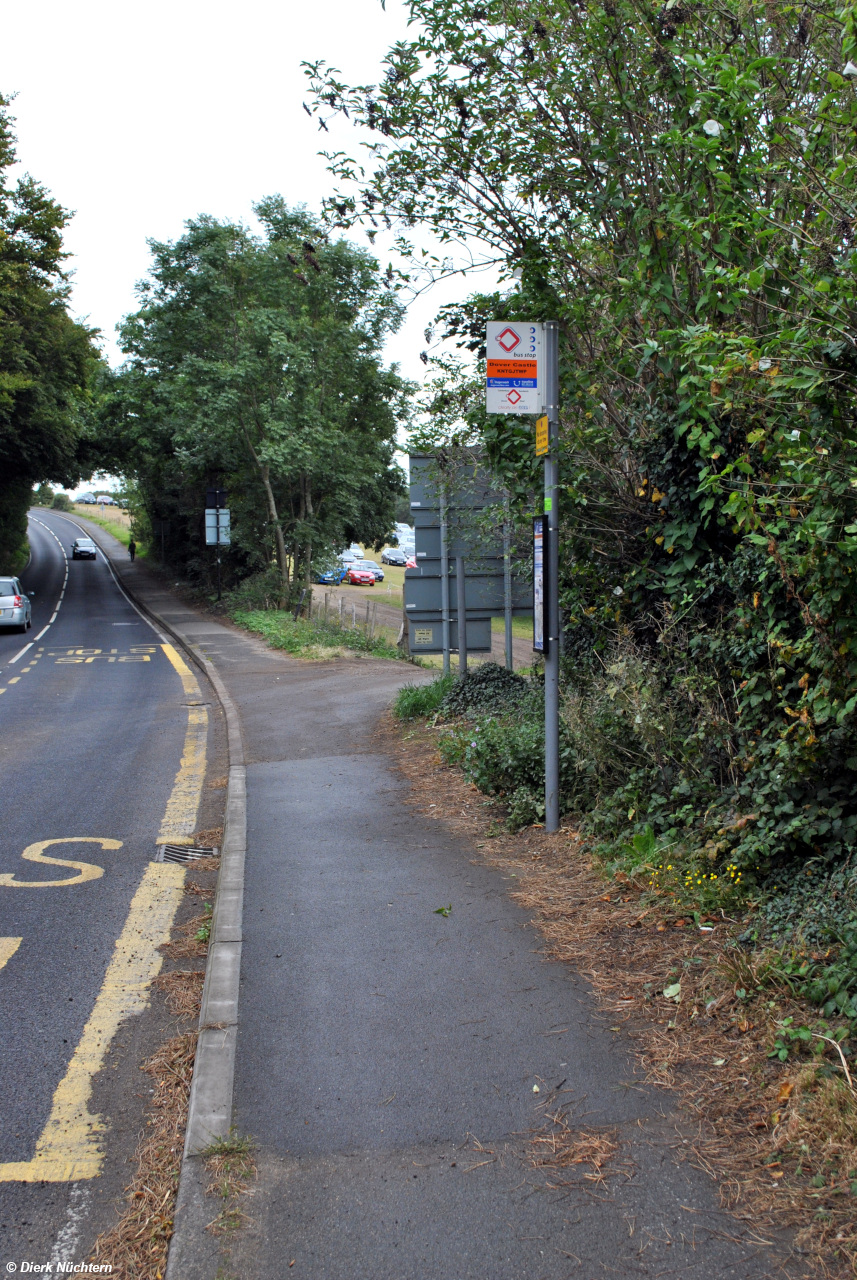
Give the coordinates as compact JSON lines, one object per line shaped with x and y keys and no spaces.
{"x":391,"y":1063}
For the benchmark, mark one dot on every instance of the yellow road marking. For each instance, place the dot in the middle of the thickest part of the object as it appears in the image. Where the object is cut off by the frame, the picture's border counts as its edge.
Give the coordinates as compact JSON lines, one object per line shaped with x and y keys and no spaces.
{"x":36,"y":853}
{"x":69,"y":1147}
{"x":8,"y":947}
{"x":180,"y":818}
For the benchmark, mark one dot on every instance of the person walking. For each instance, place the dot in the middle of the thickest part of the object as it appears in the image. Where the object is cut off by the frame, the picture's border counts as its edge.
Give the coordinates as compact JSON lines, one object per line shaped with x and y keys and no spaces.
{"x":132,"y":548}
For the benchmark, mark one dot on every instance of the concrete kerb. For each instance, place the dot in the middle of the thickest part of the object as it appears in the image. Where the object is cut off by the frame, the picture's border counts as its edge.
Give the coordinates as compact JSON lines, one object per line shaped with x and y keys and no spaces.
{"x":210,"y":1102}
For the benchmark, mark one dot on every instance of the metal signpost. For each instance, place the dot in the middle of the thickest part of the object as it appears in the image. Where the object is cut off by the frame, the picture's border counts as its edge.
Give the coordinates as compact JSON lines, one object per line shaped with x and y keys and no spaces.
{"x":522,"y":376}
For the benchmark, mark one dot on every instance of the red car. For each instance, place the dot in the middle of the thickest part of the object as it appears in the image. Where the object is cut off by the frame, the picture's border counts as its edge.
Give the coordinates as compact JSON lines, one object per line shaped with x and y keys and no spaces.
{"x":411,"y":562}
{"x":360,"y":577}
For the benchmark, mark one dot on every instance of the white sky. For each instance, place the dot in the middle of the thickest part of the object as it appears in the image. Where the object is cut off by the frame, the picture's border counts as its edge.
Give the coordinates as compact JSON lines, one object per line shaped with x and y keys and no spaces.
{"x":138,"y":116}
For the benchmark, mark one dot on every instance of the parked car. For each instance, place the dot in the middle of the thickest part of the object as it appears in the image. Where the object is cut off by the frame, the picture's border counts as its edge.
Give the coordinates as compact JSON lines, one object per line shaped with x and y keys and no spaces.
{"x":88,"y":499}
{"x":393,"y":555}
{"x":15,"y":608}
{"x":358,"y":577}
{"x":331,"y":577}
{"x":411,"y":562}
{"x":356,"y":550}
{"x":370,"y":564}
{"x":83,"y":549}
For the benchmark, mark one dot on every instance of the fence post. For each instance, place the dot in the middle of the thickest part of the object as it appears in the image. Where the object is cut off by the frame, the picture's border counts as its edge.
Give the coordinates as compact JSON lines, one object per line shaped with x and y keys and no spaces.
{"x":462,"y":615}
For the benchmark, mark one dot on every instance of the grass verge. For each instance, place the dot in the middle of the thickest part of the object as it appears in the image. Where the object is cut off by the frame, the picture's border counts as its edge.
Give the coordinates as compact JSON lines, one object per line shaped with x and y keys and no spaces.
{"x":416,"y":700}
{"x":710,"y":1020}
{"x":314,"y":639}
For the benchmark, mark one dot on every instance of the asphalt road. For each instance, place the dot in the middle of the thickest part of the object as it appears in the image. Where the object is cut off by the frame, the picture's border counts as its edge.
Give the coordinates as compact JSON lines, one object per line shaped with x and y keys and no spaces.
{"x":93,"y":720}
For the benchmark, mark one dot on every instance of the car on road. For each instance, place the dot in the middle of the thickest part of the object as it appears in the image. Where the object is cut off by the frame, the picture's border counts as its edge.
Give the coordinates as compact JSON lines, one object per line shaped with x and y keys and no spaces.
{"x":15,"y":608}
{"x":357,"y":577}
{"x":370,"y":564}
{"x":393,"y":555}
{"x":83,"y":549}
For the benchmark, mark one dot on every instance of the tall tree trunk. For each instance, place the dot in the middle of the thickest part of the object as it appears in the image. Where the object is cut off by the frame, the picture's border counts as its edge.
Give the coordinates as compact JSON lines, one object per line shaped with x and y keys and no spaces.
{"x":279,"y":540}
{"x":308,"y":511}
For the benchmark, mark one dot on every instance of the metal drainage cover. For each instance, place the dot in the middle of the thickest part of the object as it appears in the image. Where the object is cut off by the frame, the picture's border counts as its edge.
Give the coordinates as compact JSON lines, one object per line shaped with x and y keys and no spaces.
{"x":184,"y":852}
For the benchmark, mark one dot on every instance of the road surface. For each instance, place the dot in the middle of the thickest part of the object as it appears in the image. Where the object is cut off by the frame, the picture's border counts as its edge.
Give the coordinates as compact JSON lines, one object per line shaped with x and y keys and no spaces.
{"x":100,"y":758}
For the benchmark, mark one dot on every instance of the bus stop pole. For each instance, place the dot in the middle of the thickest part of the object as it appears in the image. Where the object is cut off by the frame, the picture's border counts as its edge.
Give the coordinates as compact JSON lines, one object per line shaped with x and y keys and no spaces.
{"x":507,"y":580}
{"x":552,"y":580}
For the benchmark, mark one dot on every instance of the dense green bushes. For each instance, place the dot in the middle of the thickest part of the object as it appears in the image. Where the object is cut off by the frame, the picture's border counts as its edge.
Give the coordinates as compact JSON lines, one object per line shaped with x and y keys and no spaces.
{"x":677,"y":186}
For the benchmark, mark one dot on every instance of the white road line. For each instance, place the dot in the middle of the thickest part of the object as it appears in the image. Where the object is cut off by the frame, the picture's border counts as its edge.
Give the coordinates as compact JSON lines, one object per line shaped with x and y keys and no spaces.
{"x":68,"y":1239}
{"x":164,"y":639}
{"x":21,"y":652}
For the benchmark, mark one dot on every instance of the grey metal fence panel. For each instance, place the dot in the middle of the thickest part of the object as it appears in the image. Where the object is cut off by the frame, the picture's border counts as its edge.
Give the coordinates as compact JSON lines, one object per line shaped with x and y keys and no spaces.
{"x":426,"y":635}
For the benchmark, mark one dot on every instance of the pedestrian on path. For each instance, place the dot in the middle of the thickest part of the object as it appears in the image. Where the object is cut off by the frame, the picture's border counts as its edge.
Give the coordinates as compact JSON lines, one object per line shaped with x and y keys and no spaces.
{"x":132,"y":548}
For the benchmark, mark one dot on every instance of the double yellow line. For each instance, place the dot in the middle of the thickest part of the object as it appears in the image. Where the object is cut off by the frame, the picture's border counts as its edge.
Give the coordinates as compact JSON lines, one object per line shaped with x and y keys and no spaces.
{"x":70,"y":1146}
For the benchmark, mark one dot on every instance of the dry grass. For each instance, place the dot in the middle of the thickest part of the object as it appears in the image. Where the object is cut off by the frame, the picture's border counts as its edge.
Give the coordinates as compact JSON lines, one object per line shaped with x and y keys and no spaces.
{"x":195,"y":889}
{"x":750,"y":1113}
{"x":182,"y":990}
{"x":558,"y":1146}
{"x":136,"y":1247}
{"x":211,"y":838}
{"x":187,"y":945}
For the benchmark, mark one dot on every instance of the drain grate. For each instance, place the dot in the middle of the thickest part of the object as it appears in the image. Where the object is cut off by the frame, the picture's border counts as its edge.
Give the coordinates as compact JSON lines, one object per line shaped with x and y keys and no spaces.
{"x":184,"y":852}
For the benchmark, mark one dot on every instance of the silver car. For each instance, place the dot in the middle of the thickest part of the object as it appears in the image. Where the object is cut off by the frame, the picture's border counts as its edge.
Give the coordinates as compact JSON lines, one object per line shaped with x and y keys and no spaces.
{"x":15,"y":607}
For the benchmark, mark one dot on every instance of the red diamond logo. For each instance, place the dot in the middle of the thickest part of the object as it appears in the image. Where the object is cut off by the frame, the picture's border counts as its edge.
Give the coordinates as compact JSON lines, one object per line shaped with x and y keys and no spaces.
{"x":513,"y":397}
{"x":508,"y":340}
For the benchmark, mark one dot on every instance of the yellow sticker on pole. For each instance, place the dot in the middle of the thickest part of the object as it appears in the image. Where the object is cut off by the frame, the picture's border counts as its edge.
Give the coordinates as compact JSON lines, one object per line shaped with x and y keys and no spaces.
{"x":542,"y":436}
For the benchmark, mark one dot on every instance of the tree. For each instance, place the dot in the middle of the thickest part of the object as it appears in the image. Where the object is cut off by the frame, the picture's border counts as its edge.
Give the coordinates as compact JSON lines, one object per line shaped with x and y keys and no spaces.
{"x":46,"y":359}
{"x":256,"y":357}
{"x":676,"y":185}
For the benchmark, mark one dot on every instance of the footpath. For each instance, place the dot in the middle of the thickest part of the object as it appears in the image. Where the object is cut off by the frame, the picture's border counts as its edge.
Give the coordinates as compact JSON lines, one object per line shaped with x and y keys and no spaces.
{"x":390,"y":1062}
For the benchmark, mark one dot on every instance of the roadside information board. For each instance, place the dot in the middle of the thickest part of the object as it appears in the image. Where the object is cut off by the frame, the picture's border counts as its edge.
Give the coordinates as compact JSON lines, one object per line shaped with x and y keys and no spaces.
{"x":542,"y":436}
{"x":217,"y":531}
{"x":515,"y":377}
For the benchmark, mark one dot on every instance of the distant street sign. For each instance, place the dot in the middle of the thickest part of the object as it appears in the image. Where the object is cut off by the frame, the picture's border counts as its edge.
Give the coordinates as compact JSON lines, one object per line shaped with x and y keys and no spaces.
{"x":542,"y":436}
{"x":515,"y":367}
{"x":217,"y":529}
{"x":215,"y":497}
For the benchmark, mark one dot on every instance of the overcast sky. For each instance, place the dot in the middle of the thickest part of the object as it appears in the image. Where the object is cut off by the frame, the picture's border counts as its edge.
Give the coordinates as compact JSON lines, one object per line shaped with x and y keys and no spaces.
{"x":138,"y":116}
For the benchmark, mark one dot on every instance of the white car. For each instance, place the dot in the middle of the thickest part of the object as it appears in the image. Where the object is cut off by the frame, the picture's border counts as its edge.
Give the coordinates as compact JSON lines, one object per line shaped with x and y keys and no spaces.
{"x":15,"y":607}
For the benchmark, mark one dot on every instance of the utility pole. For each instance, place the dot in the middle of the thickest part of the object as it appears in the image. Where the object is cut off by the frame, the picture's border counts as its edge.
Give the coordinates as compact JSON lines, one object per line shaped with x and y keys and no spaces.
{"x":551,"y":348}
